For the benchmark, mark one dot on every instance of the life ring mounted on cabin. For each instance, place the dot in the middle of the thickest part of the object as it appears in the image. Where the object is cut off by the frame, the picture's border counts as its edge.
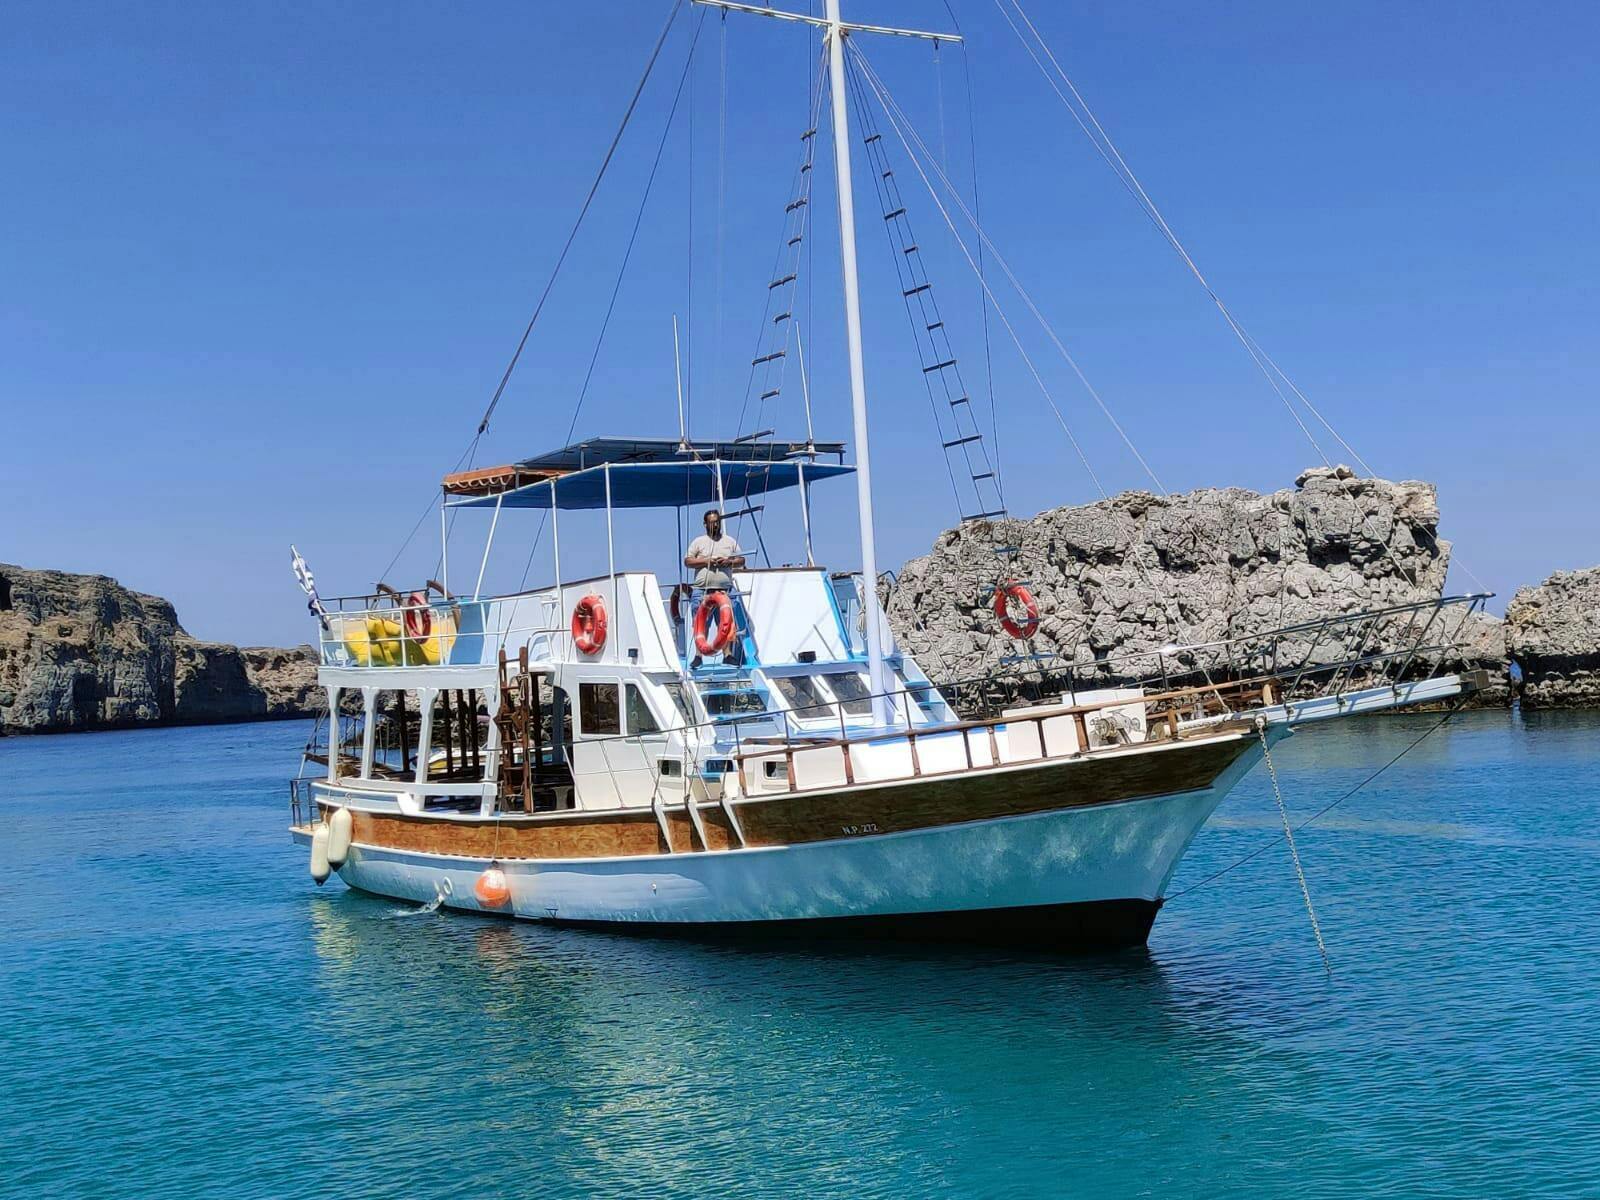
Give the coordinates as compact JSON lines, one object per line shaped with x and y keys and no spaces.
{"x":1003,"y":596}
{"x":589,"y":624}
{"x":718,"y":604}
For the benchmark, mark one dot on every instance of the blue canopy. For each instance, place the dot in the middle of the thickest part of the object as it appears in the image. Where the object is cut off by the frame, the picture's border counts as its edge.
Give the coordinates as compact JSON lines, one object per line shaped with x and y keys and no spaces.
{"x":659,"y":485}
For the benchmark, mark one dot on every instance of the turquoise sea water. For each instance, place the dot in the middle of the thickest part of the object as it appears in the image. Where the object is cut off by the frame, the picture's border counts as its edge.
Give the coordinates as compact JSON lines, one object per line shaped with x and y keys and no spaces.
{"x":185,"y":1014}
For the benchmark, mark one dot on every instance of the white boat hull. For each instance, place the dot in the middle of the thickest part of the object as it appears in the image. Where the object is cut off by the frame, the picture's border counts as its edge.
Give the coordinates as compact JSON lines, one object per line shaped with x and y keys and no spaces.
{"x":1087,"y":875}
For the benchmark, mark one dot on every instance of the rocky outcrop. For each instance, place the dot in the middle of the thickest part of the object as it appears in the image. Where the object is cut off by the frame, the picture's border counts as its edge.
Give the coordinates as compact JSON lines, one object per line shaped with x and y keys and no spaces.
{"x":1553,"y":634}
{"x":287,"y":679}
{"x":84,"y":652}
{"x":1124,"y":577}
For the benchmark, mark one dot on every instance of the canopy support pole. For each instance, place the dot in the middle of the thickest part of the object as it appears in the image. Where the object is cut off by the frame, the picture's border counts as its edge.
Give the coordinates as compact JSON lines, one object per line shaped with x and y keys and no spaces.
{"x":611,"y":549}
{"x":494,"y":524}
{"x":444,"y":548}
{"x":555,"y":542}
{"x":805,"y":513}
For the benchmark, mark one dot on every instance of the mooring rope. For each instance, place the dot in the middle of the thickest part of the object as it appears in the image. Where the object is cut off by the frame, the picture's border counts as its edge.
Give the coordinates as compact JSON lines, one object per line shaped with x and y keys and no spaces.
{"x":1323,"y":811}
{"x":1294,"y":851}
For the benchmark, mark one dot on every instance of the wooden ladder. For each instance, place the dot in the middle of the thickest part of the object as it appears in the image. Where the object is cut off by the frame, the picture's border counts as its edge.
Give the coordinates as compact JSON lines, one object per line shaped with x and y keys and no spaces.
{"x":521,"y":737}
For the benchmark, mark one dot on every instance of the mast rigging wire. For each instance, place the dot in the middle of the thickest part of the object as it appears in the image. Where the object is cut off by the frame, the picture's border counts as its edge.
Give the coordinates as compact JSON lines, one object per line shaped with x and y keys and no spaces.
{"x":616,"y":139}
{"x":1325,"y":809}
{"x":622,"y":270}
{"x":977,"y":212}
{"x":1113,"y":158}
{"x":889,"y":103}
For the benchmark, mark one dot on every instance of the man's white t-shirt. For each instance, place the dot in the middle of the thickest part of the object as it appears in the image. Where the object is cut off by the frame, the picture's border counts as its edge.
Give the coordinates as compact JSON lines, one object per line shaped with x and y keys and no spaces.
{"x":705,"y":546}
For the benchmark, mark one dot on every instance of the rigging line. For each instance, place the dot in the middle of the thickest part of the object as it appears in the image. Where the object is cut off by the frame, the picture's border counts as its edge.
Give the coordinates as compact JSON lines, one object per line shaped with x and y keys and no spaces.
{"x":1325,"y":809}
{"x":1366,"y":467}
{"x":977,"y":210}
{"x":891,"y":108}
{"x":998,"y":308}
{"x":1294,"y":851}
{"x":428,"y":511}
{"x":622,"y":270}
{"x":616,"y":139}
{"x":1176,"y":613}
{"x":801,"y":189}
{"x":906,"y":276}
{"x":1119,"y":166}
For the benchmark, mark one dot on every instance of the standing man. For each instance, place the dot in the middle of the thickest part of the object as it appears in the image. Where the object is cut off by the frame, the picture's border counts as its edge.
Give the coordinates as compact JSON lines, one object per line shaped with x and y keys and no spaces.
{"x":714,"y":554}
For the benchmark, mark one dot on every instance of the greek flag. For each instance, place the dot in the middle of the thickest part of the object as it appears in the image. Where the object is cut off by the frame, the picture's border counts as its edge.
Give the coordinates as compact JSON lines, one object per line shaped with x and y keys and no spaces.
{"x":308,"y":584}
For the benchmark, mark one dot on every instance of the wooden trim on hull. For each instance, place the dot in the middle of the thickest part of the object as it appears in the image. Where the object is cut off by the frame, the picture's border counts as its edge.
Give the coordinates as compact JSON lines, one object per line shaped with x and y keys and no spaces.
{"x":786,"y":820}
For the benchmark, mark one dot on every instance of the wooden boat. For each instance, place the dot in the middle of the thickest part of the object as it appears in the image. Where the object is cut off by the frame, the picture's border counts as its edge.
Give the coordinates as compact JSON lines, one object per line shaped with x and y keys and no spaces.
{"x":585,"y":753}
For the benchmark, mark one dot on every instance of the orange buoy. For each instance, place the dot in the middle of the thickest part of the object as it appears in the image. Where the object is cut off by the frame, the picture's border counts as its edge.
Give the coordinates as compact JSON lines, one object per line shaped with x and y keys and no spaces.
{"x":704,"y":640}
{"x":589,"y":624}
{"x":1007,"y":592}
{"x":493,"y":889}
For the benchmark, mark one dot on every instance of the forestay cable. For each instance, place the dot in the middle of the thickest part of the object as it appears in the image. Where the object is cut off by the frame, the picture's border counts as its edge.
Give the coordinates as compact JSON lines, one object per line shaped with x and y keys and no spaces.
{"x":616,"y":139}
{"x":908,"y":134}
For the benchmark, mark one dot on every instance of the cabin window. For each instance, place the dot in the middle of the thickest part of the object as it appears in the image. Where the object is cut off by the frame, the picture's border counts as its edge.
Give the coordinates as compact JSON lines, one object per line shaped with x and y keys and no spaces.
{"x":731,"y":698}
{"x":640,"y":718}
{"x":599,"y":709}
{"x":803,"y":696}
{"x":680,"y":700}
{"x":853,"y":693}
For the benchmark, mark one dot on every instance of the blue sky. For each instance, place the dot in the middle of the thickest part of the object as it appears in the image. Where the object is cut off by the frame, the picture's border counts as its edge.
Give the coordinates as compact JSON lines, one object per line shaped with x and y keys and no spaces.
{"x":263,"y":266}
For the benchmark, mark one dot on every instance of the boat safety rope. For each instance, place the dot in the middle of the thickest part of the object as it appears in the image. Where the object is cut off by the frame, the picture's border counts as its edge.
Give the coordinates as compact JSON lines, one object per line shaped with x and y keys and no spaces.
{"x":977,"y":212}
{"x":622,"y":271}
{"x":1084,"y":116}
{"x":1288,"y":835}
{"x":483,"y":424}
{"x":912,"y":142}
{"x":572,"y":235}
{"x":1324,"y":810}
{"x":907,"y":134}
{"x":961,"y":244}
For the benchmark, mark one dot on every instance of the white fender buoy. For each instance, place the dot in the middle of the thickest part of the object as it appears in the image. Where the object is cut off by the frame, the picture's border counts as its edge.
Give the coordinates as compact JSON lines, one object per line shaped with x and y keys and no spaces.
{"x":493,"y":889}
{"x":340,"y":825}
{"x":319,"y":853}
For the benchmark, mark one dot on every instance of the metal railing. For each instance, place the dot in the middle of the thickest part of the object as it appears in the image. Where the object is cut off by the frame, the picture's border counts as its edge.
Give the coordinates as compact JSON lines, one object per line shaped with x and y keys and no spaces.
{"x":1196,"y":684}
{"x":384,"y":630}
{"x":1336,"y":653}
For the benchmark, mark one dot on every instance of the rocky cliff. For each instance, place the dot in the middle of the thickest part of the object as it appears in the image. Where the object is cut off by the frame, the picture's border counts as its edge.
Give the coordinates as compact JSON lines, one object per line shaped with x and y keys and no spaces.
{"x":84,"y":652}
{"x":1553,"y":633}
{"x":1136,"y":572}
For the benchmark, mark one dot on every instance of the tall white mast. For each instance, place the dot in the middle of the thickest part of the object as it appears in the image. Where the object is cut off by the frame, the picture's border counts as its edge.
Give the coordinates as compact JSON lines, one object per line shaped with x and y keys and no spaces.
{"x":876,"y":673}
{"x":835,"y":29}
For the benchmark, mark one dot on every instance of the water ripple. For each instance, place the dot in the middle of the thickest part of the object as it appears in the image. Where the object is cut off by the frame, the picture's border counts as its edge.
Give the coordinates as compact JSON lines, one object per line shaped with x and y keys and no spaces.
{"x":187,"y":1015}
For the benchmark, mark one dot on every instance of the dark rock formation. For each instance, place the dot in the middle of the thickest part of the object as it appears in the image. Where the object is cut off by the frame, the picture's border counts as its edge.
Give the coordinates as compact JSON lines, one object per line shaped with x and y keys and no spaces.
{"x":1553,"y":633}
{"x":287,"y":679}
{"x":1128,"y":575}
{"x":84,"y":652}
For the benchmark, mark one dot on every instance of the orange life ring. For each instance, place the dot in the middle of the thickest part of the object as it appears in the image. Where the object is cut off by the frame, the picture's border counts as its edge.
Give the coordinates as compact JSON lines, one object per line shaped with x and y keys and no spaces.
{"x":589,"y":625}
{"x":1015,"y":591}
{"x":418,"y":616}
{"x":715,"y":602}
